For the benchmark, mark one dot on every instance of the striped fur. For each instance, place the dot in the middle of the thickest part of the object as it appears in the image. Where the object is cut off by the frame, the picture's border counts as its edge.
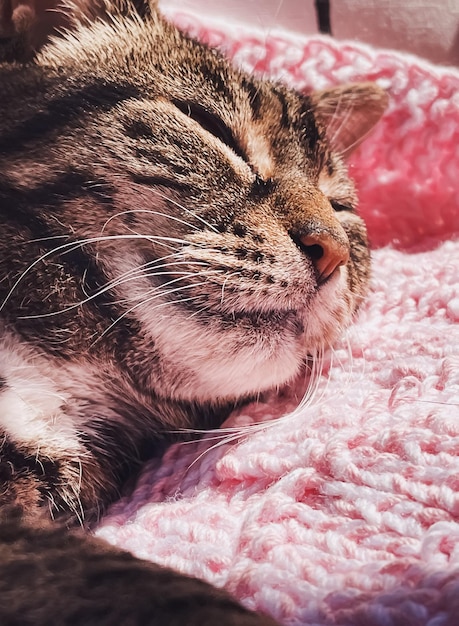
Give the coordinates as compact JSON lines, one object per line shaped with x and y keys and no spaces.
{"x":153,"y":201}
{"x":164,"y":225}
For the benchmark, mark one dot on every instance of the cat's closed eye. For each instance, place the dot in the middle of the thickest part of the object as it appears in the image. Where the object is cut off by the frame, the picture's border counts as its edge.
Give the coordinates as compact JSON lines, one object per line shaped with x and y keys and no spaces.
{"x":210,"y":122}
{"x":341,"y":206}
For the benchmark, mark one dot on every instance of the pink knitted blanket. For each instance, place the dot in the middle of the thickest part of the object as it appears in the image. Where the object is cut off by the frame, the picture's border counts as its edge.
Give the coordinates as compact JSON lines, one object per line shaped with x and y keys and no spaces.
{"x":345,"y":511}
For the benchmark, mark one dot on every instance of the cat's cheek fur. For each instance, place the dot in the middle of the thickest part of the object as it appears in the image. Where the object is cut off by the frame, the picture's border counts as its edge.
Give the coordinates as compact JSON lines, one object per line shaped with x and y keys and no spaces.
{"x":210,"y":360}
{"x":210,"y":364}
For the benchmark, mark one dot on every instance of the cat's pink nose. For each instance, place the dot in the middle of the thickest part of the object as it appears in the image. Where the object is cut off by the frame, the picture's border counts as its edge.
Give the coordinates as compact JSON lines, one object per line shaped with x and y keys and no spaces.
{"x":326,"y":251}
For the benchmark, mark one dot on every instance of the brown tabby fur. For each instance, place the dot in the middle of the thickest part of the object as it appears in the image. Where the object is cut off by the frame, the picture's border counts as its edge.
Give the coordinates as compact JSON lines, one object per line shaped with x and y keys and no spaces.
{"x":176,"y":237}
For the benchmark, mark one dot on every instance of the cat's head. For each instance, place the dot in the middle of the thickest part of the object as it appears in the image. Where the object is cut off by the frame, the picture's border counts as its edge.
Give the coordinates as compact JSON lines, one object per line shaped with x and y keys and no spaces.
{"x":218,"y":205}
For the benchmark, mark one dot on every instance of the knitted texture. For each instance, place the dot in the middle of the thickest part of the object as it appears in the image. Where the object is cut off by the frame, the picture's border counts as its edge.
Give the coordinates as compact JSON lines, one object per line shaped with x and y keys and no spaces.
{"x":346,"y":511}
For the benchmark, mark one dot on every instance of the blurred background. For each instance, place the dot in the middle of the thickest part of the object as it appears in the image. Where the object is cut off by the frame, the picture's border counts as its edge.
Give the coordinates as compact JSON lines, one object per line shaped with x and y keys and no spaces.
{"x":428,"y":28}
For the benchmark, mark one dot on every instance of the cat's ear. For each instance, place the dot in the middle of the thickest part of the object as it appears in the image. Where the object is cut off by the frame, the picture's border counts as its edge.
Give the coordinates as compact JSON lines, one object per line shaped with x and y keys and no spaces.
{"x":348,"y":113}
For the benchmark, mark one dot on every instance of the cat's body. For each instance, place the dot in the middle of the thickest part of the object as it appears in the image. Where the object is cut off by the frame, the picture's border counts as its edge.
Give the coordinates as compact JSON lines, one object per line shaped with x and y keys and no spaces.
{"x":176,"y":237}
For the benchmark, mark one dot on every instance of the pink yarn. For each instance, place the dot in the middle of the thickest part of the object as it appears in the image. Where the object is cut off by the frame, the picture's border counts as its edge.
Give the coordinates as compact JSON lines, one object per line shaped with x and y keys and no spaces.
{"x":346,"y":512}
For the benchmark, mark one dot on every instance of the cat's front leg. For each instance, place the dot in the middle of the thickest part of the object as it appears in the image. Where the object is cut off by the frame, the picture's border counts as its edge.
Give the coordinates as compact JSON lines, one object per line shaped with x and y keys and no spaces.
{"x":30,"y":482}
{"x":57,"y":447}
{"x":41,"y":477}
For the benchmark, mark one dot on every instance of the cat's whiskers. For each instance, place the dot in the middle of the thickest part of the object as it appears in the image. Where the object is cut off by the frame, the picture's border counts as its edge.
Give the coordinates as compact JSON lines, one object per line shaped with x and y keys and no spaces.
{"x":183,"y":208}
{"x":237,"y":273}
{"x":159,"y":290}
{"x":80,"y":476}
{"x":346,"y":376}
{"x":74,"y":504}
{"x":52,"y":506}
{"x":345,"y":117}
{"x":315,"y":367}
{"x":149,"y":299}
{"x":150,"y":211}
{"x":314,"y":374}
{"x":121,"y":280}
{"x":310,"y":400}
{"x":38,"y":461}
{"x":170,"y":272}
{"x":319,"y":396}
{"x":351,"y":368}
{"x":74,"y":245}
{"x":342,"y":115}
{"x":355,"y":143}
{"x":266,"y":34}
{"x":198,"y":311}
{"x":39,"y":239}
{"x":333,"y":364}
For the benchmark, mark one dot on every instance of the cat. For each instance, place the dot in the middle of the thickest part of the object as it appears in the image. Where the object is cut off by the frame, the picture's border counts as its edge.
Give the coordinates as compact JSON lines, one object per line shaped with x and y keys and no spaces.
{"x":176,"y":238}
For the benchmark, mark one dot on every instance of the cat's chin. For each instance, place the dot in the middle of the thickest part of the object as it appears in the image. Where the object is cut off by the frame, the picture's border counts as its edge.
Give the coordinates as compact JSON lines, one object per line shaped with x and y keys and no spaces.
{"x":229,"y":357}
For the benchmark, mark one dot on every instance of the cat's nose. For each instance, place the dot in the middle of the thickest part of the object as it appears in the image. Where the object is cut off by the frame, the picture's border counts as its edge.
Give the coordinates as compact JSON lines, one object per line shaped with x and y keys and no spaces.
{"x":327,"y":250}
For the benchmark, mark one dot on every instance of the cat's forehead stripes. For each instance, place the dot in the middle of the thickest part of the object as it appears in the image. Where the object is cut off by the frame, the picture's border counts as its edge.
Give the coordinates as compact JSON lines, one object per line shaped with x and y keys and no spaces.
{"x":53,"y":114}
{"x":253,"y":90}
{"x":283,"y":123}
{"x":285,"y":114}
{"x":312,"y":136}
{"x":217,"y":81}
{"x":259,"y":153}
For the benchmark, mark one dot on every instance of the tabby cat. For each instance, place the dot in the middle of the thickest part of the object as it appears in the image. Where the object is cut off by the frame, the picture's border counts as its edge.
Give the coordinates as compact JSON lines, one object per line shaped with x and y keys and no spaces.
{"x":176,"y":237}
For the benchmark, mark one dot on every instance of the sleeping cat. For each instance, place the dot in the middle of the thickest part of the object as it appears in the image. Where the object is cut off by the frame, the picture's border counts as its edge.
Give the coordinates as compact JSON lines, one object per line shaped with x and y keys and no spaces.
{"x":176,"y":238}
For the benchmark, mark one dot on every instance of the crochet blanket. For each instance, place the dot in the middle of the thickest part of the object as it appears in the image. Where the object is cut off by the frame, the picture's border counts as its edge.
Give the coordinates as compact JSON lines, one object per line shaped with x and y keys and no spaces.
{"x":346,"y":510}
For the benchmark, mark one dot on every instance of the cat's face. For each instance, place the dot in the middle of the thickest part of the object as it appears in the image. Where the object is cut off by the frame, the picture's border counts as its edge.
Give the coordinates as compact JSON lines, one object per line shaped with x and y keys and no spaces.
{"x":217,"y":205}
